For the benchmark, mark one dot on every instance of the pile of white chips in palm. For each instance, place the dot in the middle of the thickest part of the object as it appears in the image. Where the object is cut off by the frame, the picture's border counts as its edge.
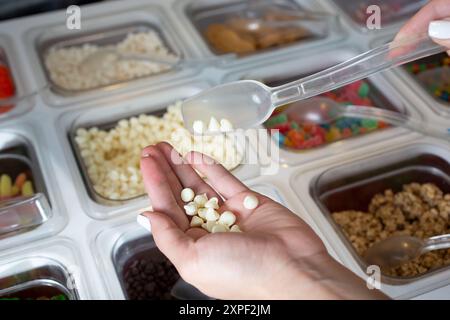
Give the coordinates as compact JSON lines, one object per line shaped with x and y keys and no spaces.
{"x":204,"y":213}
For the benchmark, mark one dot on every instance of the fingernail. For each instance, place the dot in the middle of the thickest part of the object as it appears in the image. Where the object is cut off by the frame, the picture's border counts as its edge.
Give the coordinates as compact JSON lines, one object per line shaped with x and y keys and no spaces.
{"x":439,"y":29}
{"x":144,"y":222}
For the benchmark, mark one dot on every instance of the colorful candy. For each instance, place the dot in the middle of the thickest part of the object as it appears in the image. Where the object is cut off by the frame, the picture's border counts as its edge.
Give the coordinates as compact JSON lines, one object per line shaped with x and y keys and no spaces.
{"x":438,"y":84}
{"x":6,"y":88}
{"x":22,"y":187}
{"x":301,"y":135}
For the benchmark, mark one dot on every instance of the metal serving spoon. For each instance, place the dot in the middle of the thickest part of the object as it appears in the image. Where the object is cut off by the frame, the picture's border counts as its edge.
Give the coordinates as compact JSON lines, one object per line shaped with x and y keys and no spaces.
{"x":397,"y":250}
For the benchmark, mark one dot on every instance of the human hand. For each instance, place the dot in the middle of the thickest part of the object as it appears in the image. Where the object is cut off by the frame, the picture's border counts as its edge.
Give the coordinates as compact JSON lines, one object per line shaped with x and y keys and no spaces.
{"x":277,"y":256}
{"x":434,"y":17}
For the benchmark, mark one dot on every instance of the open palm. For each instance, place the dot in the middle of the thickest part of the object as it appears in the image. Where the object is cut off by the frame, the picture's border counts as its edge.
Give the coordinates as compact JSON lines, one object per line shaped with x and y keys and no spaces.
{"x":276,"y":256}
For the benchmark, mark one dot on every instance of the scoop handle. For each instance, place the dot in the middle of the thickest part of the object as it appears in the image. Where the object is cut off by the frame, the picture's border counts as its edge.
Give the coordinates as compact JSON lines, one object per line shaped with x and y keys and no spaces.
{"x":397,"y":119}
{"x":436,"y":243}
{"x":382,"y":58}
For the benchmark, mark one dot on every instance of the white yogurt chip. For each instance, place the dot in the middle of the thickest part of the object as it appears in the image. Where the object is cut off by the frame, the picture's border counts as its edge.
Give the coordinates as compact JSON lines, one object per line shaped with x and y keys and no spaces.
{"x":250,"y":202}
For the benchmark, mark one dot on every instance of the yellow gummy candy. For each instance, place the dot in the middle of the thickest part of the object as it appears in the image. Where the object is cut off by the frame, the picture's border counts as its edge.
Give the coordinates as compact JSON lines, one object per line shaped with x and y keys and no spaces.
{"x":5,"y":185}
{"x":15,"y":191}
{"x":27,"y":189}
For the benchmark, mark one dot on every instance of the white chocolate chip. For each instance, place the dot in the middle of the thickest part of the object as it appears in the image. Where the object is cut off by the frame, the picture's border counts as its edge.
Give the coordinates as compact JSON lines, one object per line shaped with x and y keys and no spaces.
{"x":198,"y":126}
{"x":219,"y":228}
{"x":201,"y":213}
{"x":208,"y":225}
{"x":235,"y":228}
{"x":250,"y":202}
{"x":191,"y":209}
{"x":212,"y":203}
{"x":200,"y":200}
{"x":187,"y":194}
{"x":214,"y":125}
{"x":196,"y":222}
{"x":225,"y":125}
{"x":227,"y":218}
{"x":211,"y":214}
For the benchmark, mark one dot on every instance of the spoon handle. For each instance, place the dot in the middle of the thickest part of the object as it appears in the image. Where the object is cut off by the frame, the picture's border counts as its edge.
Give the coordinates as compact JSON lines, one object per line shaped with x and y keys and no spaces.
{"x":178,"y":62}
{"x":382,"y":58}
{"x":397,"y":119}
{"x":436,"y":243}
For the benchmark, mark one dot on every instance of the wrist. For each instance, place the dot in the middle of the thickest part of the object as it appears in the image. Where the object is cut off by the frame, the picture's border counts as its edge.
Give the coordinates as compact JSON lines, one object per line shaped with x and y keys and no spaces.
{"x":319,"y":277}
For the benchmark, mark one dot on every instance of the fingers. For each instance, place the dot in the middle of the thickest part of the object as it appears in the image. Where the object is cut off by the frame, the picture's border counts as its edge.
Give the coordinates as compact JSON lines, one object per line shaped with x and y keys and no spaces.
{"x":184,"y":171}
{"x":219,"y":177}
{"x":170,"y":239}
{"x":155,"y":152}
{"x":160,"y":190}
{"x":444,"y":43}
{"x":434,"y":10}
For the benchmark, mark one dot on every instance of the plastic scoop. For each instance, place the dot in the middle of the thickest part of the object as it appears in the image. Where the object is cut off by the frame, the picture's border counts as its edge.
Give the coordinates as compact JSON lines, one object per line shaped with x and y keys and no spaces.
{"x":398,"y":250}
{"x":321,"y":110}
{"x":249,"y":103}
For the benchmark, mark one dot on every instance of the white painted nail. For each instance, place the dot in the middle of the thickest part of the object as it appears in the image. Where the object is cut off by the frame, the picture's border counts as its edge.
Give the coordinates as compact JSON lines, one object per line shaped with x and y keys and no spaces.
{"x":439,"y":29}
{"x":144,"y":222}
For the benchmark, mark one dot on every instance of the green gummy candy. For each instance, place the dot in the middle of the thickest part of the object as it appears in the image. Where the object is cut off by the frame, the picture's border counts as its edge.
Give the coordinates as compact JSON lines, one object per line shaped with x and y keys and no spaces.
{"x":363,"y":90}
{"x":278,"y":119}
{"x":369,"y":123}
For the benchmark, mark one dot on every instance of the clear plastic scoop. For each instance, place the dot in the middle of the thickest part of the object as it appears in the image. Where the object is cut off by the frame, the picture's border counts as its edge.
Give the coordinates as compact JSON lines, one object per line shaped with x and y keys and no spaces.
{"x":322,"y":110}
{"x":249,"y":103}
{"x":397,"y":250}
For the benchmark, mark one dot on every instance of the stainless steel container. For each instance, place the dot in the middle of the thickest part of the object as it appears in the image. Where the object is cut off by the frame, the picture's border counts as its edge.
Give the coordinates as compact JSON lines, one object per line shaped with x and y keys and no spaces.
{"x":22,"y":214}
{"x":101,"y":28}
{"x":100,"y":37}
{"x":204,"y":15}
{"x":332,"y":188}
{"x":36,"y":279}
{"x":196,"y":15}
